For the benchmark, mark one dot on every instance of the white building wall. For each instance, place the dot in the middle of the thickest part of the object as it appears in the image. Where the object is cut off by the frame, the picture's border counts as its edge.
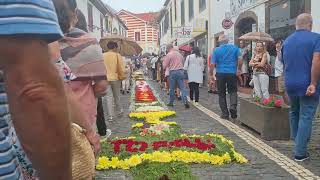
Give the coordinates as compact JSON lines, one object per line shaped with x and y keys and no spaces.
{"x":221,"y":10}
{"x":167,"y":38}
{"x":83,"y":6}
{"x":315,"y":4}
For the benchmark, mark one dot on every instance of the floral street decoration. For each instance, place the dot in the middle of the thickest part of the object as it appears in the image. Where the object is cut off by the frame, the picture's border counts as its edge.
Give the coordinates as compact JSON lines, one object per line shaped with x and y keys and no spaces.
{"x":151,"y":117}
{"x":158,"y":144}
{"x":272,"y":101}
{"x":144,"y":92}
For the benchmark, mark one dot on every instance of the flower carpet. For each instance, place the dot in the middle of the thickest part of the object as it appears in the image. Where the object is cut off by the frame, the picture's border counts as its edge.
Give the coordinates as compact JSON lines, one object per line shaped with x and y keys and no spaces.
{"x":156,"y":148}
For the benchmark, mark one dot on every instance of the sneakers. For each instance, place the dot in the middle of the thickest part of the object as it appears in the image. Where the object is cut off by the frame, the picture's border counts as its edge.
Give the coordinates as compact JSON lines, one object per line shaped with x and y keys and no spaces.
{"x":225,"y":117}
{"x":110,"y":118}
{"x":196,"y":103}
{"x":120,"y":113}
{"x":186,"y":105}
{"x":105,"y":137}
{"x":233,"y":114}
{"x":302,"y":158}
{"x":170,"y":104}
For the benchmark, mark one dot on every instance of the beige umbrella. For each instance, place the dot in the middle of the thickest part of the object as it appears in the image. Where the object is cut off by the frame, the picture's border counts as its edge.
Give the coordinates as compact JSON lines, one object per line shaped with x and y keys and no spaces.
{"x":257,"y":36}
{"x":127,"y":47}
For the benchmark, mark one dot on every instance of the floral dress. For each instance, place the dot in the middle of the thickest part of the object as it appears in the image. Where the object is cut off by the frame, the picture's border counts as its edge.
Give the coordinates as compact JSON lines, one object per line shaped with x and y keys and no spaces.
{"x":26,"y":166}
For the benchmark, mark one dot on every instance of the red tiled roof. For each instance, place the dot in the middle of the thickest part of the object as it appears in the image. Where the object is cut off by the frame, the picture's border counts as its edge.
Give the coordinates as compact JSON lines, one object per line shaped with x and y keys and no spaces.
{"x":149,"y":17}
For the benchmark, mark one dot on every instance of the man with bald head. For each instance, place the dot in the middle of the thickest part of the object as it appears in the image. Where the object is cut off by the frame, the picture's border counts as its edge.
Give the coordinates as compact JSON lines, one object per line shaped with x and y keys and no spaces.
{"x":301,"y":56}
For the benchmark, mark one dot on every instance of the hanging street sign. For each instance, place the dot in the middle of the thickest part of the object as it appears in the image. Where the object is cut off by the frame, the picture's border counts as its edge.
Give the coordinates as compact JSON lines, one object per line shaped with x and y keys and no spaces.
{"x":227,"y":23}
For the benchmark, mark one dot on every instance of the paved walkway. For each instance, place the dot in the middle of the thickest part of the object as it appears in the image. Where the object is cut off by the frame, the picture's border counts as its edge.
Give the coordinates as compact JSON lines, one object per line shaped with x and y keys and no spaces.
{"x":210,"y":101}
{"x":264,"y":162}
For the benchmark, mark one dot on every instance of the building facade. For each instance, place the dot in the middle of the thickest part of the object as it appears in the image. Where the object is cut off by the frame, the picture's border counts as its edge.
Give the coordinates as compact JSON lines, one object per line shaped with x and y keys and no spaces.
{"x":184,"y":22}
{"x":101,"y":18}
{"x":142,"y":29}
{"x":276,"y":17}
{"x":114,"y":24}
{"x":94,"y":11}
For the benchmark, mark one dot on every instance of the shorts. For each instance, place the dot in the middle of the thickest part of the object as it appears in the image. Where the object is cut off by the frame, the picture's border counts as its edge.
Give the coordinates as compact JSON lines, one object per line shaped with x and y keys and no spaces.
{"x":280,"y":84}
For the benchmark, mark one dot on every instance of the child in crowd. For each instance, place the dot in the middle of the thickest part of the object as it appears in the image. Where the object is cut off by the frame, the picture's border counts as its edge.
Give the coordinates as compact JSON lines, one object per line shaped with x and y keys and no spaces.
{"x":126,"y":82}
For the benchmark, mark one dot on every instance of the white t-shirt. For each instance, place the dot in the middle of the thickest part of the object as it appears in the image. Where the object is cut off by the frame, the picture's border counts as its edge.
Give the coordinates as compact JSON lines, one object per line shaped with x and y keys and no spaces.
{"x":278,"y":66}
{"x":153,"y":62}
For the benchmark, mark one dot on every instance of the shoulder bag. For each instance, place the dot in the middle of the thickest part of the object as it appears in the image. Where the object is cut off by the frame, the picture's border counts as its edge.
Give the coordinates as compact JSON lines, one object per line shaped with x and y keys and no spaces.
{"x":83,"y":160}
{"x":121,"y":74}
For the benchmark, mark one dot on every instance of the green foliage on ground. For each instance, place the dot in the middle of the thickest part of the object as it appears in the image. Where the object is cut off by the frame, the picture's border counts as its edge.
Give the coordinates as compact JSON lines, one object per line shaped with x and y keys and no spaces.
{"x":154,"y":171}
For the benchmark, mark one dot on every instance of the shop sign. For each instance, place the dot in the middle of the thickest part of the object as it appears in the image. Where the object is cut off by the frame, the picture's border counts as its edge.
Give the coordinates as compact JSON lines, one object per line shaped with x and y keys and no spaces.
{"x":199,"y":25}
{"x":237,"y":6}
{"x":227,"y":23}
{"x":183,"y":32}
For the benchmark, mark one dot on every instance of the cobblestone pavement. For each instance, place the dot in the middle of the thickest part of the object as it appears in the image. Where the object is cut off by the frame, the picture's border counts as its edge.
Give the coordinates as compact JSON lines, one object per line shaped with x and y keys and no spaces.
{"x":210,"y":101}
{"x":201,"y":120}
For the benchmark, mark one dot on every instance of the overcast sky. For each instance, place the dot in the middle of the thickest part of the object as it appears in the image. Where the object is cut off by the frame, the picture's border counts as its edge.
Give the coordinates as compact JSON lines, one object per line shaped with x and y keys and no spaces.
{"x":136,"y":6}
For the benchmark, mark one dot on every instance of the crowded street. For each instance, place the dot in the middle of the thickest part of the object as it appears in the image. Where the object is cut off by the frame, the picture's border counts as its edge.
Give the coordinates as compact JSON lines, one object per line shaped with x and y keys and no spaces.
{"x":267,"y":159}
{"x":159,"y":89}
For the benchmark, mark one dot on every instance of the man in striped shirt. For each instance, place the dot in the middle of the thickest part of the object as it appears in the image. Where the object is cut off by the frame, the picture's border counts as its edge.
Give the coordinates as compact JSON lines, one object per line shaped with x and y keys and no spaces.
{"x":36,"y":98}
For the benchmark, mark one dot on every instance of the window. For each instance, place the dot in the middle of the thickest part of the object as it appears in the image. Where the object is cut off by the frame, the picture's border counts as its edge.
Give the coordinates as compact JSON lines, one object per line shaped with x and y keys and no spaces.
{"x":137,"y":36}
{"x":296,"y":7}
{"x":106,"y":20}
{"x":175,"y":10}
{"x":191,"y":11}
{"x":90,"y":18}
{"x":101,"y":25}
{"x":202,"y":5}
{"x":166,"y":23}
{"x":182,"y":13}
{"x":171,"y":21}
{"x":115,"y":31}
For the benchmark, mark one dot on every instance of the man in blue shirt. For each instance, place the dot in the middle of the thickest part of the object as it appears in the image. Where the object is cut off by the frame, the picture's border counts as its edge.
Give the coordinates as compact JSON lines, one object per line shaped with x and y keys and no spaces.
{"x":31,"y":87}
{"x":227,"y":60}
{"x":301,"y":56}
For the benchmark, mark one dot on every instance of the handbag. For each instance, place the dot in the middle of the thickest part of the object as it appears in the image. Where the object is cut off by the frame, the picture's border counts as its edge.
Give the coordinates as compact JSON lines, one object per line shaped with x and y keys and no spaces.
{"x":267,"y":69}
{"x":83,"y":159}
{"x":121,"y":74}
{"x":186,"y":71}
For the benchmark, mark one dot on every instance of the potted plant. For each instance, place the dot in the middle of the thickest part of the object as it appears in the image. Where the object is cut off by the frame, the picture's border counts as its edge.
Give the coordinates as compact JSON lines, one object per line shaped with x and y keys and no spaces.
{"x":269,"y":117}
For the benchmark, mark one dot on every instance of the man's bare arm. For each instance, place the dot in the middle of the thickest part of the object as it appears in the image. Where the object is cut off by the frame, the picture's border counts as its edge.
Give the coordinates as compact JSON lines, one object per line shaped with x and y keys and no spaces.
{"x":315,"y":70}
{"x":38,"y":105}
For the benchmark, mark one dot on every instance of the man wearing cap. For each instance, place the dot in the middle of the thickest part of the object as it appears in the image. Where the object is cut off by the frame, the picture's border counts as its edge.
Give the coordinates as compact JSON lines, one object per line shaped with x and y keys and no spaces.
{"x":227,"y":60}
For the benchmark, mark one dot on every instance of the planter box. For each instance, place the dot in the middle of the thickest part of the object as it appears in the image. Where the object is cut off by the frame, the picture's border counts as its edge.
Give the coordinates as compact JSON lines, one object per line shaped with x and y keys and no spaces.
{"x":271,"y":123}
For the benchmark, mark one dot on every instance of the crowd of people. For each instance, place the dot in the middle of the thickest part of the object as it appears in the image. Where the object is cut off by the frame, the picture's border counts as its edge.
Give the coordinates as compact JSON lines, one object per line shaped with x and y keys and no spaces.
{"x":41,"y":98}
{"x":176,"y":71}
{"x":295,"y":64}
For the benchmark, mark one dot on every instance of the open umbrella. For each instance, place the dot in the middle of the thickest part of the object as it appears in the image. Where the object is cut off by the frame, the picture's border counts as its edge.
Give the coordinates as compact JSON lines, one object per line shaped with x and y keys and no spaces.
{"x":185,"y":48}
{"x":94,"y":70}
{"x":257,"y":36}
{"x":127,"y":47}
